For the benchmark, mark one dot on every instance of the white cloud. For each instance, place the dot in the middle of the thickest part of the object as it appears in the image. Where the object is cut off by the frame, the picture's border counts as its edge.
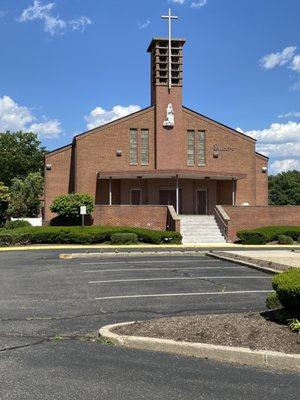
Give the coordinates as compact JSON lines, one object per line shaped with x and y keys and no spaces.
{"x":14,"y":117}
{"x":178,"y":1}
{"x":278,"y":133}
{"x":144,"y":25}
{"x":195,"y":4}
{"x":280,"y":142}
{"x":290,"y":114}
{"x":295,"y":86}
{"x":277,"y":59}
{"x":239,"y":129}
{"x":53,"y":24}
{"x":284,"y":165}
{"x":280,"y":150}
{"x":198,"y":3}
{"x":296,"y":63}
{"x":99,"y":116}
{"x":49,"y":129}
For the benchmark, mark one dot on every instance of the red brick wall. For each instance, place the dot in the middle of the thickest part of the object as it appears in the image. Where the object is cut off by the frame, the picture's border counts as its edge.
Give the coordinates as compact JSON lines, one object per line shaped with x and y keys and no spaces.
{"x":261,"y":181}
{"x":57,"y":180}
{"x":255,"y":217}
{"x":96,"y":150}
{"x":150,"y":217}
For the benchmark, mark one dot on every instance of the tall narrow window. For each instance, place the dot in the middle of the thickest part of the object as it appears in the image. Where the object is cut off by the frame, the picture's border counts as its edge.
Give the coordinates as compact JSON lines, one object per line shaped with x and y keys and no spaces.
{"x":191,"y":148}
{"x":144,"y":147}
{"x":201,"y":148}
{"x":133,"y":146}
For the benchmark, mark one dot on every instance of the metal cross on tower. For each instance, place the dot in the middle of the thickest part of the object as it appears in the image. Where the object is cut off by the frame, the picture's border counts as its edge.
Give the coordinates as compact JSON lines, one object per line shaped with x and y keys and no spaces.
{"x":170,"y":17}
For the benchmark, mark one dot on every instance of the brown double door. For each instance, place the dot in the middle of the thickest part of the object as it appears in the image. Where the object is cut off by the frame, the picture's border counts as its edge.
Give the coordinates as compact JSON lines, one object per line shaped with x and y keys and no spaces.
{"x":167,"y":197}
{"x":201,"y":201}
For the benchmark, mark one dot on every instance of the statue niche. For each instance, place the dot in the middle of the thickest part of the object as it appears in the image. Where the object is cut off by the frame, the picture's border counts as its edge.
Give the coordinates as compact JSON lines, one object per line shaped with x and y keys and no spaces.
{"x":170,"y":121}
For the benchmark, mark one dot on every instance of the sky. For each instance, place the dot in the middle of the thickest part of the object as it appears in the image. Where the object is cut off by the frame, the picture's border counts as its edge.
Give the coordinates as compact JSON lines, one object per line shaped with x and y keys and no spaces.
{"x":70,"y":65}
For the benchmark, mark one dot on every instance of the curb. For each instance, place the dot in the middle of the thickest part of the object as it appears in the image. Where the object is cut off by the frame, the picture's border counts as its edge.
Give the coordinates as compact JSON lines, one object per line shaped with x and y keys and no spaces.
{"x":237,"y":355}
{"x":203,"y":246}
{"x":184,"y":253}
{"x":252,"y":265}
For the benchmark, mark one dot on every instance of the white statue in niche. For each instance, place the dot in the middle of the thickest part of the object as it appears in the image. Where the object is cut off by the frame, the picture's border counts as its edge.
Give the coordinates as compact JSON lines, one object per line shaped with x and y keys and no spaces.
{"x":170,"y":121}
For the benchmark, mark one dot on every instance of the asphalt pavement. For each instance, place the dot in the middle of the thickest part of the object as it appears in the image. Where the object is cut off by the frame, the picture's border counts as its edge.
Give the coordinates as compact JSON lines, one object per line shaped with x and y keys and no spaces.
{"x":51,"y":310}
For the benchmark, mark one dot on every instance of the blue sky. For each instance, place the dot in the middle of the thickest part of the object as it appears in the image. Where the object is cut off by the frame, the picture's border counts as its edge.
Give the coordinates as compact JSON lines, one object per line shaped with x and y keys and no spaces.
{"x":68,"y":65}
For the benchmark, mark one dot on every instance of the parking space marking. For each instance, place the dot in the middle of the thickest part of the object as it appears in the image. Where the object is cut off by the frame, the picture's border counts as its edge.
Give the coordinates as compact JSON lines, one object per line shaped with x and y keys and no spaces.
{"x":179,"y":278}
{"x":151,"y":262}
{"x":160,"y":269}
{"x":182,"y":294}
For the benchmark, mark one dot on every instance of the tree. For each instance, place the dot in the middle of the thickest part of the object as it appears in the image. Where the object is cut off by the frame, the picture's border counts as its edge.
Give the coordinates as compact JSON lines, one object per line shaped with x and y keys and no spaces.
{"x":284,"y":188}
{"x":20,"y":154}
{"x":4,"y":192}
{"x":4,"y":197}
{"x":68,"y":205}
{"x":25,"y":196}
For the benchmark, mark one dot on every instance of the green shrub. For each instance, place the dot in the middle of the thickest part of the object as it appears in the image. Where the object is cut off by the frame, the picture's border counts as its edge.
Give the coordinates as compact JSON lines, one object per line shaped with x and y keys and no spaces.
{"x":88,"y":235}
{"x":5,"y":239}
{"x":22,"y":239}
{"x":19,"y":223}
{"x":124,"y":238}
{"x":272,"y":301}
{"x":298,"y":239}
{"x":68,"y":205}
{"x":267,"y":234}
{"x":294,"y":325}
{"x":287,"y":287}
{"x":283,"y":239}
{"x":252,"y":237}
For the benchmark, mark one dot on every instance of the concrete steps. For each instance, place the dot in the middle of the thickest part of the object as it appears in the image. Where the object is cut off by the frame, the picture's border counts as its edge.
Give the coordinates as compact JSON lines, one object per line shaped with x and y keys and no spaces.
{"x":197,"y":229}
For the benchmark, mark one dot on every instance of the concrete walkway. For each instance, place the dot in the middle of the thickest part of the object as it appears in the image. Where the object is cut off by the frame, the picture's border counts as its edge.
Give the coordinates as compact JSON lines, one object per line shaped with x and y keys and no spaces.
{"x":285,"y":257}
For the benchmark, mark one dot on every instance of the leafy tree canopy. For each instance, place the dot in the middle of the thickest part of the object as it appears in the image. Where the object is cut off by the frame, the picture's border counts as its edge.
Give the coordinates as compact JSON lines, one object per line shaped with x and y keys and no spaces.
{"x":4,"y":192}
{"x":68,"y":205}
{"x":20,"y":154}
{"x":25,"y":196}
{"x":284,"y":188}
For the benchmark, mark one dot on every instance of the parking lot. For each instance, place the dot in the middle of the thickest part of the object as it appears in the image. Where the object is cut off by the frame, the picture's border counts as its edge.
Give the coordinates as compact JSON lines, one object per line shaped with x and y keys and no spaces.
{"x":48,"y":306}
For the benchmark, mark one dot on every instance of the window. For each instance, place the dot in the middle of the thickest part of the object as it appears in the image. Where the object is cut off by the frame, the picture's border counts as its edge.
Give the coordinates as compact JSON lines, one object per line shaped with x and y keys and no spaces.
{"x":133,"y":146}
{"x":136,"y":197}
{"x":191,"y":148}
{"x":144,"y":147}
{"x":201,"y":148}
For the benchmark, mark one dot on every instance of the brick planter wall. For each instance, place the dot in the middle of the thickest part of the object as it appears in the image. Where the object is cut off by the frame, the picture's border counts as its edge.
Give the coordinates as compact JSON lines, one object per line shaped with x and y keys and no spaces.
{"x":149,"y":217}
{"x":255,"y":217}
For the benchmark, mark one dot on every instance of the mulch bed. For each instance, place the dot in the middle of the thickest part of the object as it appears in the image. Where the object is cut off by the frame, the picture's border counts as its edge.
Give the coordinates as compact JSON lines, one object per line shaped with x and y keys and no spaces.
{"x":256,"y":331}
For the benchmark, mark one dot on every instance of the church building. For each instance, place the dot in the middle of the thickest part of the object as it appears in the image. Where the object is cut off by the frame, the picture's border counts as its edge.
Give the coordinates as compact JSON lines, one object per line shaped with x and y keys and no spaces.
{"x":139,"y":166}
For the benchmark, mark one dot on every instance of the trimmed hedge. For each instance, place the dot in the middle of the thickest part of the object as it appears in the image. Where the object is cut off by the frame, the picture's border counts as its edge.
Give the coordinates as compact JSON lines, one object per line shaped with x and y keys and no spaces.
{"x":267,"y":234}
{"x":272,"y":301}
{"x":287,"y":287}
{"x":79,"y":235}
{"x":19,"y":223}
{"x":283,"y":239}
{"x":124,"y":238}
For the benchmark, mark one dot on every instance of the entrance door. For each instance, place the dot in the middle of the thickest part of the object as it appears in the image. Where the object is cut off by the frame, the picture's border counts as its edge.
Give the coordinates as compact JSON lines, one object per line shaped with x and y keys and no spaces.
{"x":201,"y":201}
{"x":136,"y":197}
{"x":167,"y":197}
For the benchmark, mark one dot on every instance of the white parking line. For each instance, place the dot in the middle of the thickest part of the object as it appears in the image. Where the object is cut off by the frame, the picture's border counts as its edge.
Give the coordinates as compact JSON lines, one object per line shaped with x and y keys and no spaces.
{"x":159,"y":269}
{"x":151,"y":262}
{"x":181,"y":294}
{"x":182,"y":278}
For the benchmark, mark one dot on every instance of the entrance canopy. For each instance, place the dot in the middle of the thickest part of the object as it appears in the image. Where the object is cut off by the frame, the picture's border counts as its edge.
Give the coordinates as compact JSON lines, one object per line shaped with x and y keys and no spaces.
{"x":169,"y":174}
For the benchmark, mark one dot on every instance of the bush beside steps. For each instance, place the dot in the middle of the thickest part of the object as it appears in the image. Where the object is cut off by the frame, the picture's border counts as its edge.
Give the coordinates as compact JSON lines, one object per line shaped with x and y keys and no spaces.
{"x":86,"y":235}
{"x":282,"y":234}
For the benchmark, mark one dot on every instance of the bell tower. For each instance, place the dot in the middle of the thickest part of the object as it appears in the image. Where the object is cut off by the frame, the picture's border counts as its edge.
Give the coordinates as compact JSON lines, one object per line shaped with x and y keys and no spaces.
{"x":166,"y":66}
{"x":166,"y":96}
